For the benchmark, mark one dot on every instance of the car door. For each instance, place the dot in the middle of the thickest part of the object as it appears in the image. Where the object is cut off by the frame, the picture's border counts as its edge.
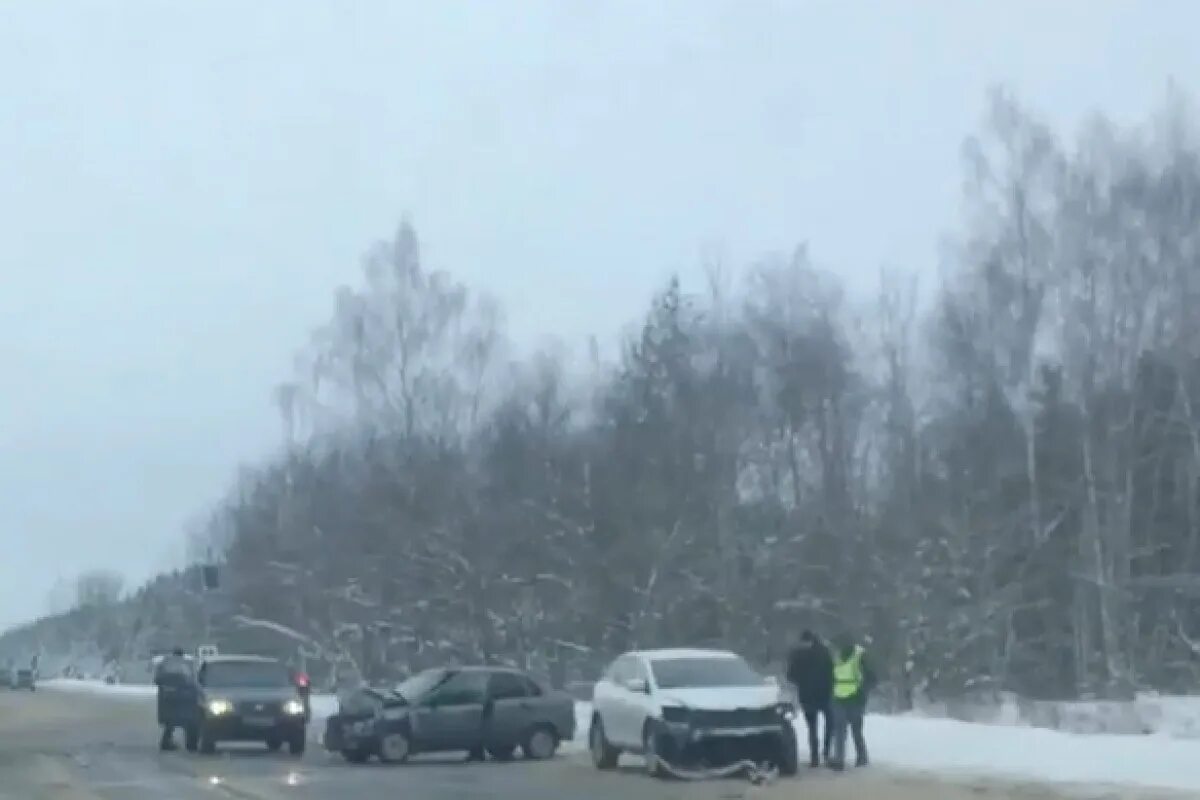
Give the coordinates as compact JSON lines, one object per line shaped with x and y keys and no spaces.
{"x":637,"y":704}
{"x":513,"y":709}
{"x":451,"y":716}
{"x":623,"y":721}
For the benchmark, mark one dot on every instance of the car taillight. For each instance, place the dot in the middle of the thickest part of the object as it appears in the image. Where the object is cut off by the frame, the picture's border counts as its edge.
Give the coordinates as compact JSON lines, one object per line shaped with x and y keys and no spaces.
{"x":302,"y":680}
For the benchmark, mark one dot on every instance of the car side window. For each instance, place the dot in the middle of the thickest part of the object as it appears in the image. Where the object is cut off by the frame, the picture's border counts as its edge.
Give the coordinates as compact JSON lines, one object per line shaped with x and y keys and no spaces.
{"x":463,"y":689}
{"x":532,"y":688}
{"x":508,"y":686}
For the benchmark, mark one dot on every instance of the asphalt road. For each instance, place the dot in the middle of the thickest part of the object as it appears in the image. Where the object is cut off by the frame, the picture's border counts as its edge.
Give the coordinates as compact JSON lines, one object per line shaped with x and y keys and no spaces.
{"x":66,"y":746}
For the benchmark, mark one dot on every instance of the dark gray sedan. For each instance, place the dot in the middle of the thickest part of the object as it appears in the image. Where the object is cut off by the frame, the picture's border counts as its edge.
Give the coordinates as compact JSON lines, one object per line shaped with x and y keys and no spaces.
{"x":473,"y":709}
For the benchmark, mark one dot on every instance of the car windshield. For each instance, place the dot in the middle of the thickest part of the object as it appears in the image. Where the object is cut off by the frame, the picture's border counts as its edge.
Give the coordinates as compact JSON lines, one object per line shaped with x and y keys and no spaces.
{"x":249,"y":674}
{"x":678,"y":673}
{"x":420,"y":684}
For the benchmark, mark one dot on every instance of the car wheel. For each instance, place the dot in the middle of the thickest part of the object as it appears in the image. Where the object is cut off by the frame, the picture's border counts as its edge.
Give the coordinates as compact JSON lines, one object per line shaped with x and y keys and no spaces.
{"x":540,"y":743}
{"x":394,"y":748}
{"x":789,"y":752}
{"x":650,"y":749}
{"x":501,"y":752}
{"x":274,"y":743}
{"x":357,"y":756}
{"x":296,"y":743}
{"x":604,"y":755}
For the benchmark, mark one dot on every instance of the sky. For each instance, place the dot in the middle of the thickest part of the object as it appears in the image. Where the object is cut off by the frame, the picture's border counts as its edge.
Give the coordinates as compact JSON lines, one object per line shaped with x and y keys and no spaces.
{"x":184,"y":185}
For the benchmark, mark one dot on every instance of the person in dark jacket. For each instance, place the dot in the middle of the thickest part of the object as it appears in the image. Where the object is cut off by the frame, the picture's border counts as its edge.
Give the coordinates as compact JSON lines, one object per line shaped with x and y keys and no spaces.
{"x":176,"y":695}
{"x":810,"y":670}
{"x":853,"y":680}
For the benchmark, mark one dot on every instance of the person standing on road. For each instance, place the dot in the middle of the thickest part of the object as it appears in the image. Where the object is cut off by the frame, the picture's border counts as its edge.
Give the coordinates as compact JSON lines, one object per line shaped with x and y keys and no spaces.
{"x":853,"y":680}
{"x":810,"y":670}
{"x":176,"y":694}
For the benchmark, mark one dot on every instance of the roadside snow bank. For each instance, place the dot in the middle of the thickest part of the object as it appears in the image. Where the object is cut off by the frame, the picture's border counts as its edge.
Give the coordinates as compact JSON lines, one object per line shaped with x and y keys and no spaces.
{"x":98,"y":687}
{"x":1174,"y":716}
{"x":944,"y":745}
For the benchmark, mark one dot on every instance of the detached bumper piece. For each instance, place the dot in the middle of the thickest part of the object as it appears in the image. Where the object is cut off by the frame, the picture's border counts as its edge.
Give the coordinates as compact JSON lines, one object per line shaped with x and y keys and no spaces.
{"x":758,"y":743}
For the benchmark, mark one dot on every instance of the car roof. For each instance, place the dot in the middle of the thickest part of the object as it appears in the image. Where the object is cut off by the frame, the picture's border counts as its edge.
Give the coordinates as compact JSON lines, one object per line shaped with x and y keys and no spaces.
{"x":222,"y":659}
{"x":682,"y":653}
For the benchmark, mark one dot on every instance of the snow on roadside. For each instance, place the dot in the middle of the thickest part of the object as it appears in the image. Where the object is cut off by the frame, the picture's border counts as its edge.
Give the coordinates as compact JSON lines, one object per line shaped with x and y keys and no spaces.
{"x":933,"y":745}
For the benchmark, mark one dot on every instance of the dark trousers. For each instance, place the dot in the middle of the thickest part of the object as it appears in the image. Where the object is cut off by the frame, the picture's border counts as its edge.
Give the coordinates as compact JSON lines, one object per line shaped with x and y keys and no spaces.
{"x":811,"y":711}
{"x":167,"y":742}
{"x":848,"y":715}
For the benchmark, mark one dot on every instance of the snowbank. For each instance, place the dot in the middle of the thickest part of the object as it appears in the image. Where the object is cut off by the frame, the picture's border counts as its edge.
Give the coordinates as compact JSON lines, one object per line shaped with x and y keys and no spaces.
{"x":1178,"y":717}
{"x":1013,"y":750}
{"x":94,"y":686}
{"x":945,"y":745}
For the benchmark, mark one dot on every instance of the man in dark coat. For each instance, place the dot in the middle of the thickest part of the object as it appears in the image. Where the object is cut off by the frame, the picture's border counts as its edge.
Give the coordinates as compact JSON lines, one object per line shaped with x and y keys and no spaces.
{"x":176,"y":695}
{"x":810,"y":670}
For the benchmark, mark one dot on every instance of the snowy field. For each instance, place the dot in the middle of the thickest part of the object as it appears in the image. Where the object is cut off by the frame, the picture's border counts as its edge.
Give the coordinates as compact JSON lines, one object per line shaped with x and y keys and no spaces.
{"x":1007,"y":747}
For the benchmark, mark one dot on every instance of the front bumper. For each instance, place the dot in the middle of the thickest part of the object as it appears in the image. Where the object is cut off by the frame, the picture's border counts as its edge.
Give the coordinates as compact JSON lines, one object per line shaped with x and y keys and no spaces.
{"x":695,"y":743}
{"x":343,"y":734}
{"x":239,"y":728}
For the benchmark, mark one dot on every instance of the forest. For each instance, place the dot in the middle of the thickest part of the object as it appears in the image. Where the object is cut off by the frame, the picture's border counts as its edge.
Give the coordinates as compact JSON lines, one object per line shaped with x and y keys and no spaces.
{"x":989,"y":469}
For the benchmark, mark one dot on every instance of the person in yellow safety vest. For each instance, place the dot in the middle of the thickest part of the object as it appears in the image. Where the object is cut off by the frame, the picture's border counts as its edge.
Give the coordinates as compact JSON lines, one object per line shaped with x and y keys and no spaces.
{"x":853,"y":680}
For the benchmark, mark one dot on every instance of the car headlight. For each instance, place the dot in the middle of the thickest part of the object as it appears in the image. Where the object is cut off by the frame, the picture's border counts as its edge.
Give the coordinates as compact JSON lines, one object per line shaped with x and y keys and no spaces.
{"x":219,"y":707}
{"x":786,"y":710}
{"x":293,"y":707}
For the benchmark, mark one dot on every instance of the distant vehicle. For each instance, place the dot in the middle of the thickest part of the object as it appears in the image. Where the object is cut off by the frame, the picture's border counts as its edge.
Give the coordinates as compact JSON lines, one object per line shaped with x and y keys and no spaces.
{"x":690,"y":709}
{"x":250,"y":699}
{"x":8,"y":677}
{"x":25,"y":679}
{"x":452,"y":709}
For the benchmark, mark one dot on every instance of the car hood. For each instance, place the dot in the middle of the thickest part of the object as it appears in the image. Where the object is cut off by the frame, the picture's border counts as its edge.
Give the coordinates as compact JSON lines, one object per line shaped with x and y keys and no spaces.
{"x":723,"y":698}
{"x":253,"y":695}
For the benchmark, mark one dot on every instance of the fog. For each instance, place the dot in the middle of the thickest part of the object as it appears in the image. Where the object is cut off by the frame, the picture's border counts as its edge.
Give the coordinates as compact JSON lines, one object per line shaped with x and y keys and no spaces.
{"x":182,"y":190}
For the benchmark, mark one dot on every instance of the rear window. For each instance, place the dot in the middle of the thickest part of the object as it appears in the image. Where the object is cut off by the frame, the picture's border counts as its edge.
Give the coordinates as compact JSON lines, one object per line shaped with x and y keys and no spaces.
{"x":249,"y":674}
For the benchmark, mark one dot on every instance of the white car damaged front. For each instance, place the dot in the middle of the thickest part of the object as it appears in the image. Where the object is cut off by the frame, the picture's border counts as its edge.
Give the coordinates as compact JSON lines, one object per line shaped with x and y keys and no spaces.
{"x":697,"y":712}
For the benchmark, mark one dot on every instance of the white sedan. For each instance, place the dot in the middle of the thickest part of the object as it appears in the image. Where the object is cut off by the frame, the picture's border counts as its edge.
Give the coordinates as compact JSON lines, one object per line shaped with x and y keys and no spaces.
{"x":703,"y":708}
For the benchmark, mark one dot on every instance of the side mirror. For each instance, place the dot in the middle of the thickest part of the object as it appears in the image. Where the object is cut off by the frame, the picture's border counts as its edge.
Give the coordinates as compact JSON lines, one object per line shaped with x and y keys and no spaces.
{"x":637,"y":686}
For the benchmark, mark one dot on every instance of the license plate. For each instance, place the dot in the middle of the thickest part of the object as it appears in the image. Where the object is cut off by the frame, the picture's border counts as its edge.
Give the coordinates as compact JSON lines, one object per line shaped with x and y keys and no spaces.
{"x":259,"y":722}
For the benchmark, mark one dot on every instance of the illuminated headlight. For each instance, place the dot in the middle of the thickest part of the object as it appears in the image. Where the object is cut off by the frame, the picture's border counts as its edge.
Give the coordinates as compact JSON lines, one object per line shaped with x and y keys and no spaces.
{"x":786,"y":710}
{"x":293,"y":707}
{"x":219,"y":707}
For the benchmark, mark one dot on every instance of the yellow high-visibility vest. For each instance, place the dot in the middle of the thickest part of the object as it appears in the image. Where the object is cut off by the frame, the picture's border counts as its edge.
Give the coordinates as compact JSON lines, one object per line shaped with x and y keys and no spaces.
{"x":848,"y":674}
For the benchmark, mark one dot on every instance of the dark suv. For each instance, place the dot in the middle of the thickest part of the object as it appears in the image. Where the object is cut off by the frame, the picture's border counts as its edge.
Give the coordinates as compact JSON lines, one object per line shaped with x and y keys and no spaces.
{"x":474,"y":709}
{"x":250,"y":699}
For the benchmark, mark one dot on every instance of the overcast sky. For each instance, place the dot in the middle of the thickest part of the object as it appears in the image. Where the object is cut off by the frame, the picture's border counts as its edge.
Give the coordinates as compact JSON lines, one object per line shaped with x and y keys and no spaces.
{"x":183,"y":185}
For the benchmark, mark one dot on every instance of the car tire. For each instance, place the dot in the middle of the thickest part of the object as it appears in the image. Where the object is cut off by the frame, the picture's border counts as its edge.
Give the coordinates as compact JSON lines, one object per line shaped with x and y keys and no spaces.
{"x":502,"y":752}
{"x":540,"y":743}
{"x":604,"y":755}
{"x":297,"y":742}
{"x":650,"y":750}
{"x":274,"y":743}
{"x":394,"y":747}
{"x":789,"y":750}
{"x":357,"y":755}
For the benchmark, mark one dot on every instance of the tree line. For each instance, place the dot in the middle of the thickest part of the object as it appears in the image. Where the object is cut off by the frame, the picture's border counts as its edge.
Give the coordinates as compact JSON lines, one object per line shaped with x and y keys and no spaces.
{"x":995,"y":478}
